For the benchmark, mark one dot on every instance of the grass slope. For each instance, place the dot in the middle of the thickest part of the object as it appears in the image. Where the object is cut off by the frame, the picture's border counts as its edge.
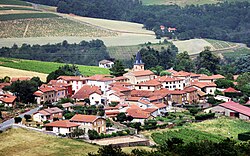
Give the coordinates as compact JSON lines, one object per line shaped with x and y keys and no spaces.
{"x":47,"y":67}
{"x":16,"y":8}
{"x":217,"y":44}
{"x":6,"y":17}
{"x":14,"y":2}
{"x":213,"y":130}
{"x":16,"y":142}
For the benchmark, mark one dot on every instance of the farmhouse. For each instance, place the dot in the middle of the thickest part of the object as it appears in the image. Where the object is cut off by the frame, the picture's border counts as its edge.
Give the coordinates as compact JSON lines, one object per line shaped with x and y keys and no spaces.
{"x":90,"y":122}
{"x":232,"y":109}
{"x":64,"y":127}
{"x":106,"y":64}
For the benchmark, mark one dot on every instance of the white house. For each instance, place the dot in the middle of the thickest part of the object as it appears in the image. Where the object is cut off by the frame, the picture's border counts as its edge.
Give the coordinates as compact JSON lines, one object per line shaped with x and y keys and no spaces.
{"x":106,"y":64}
{"x":64,"y":127}
{"x":223,"y":98}
{"x":48,"y":114}
{"x":171,"y":83}
{"x":102,"y":81}
{"x":76,"y":81}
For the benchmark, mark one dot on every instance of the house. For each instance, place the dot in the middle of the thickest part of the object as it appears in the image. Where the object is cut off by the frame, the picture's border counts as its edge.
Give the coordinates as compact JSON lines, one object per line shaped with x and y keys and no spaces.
{"x":150,"y":85}
{"x":106,"y":64}
{"x":58,"y":83}
{"x":2,"y":85}
{"x":138,"y":114}
{"x":185,"y":76}
{"x":117,"y":93}
{"x":49,"y":114}
{"x":171,"y":83}
{"x":171,"y":29}
{"x":90,"y":122}
{"x":64,"y":127}
{"x":138,"y":74}
{"x":93,"y":93}
{"x":50,"y":94}
{"x":213,"y":78}
{"x":192,"y":95}
{"x":232,"y":109}
{"x":68,"y":106}
{"x":102,"y":81}
{"x":222,"y":98}
{"x":206,"y":87}
{"x":231,"y":92}
{"x":75,"y":81}
{"x":121,"y":79}
{"x":8,"y":100}
{"x":177,"y":97}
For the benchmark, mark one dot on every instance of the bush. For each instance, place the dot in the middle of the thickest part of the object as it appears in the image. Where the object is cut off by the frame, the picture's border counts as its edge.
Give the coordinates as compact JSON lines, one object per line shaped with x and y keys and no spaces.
{"x":93,"y":134}
{"x":204,"y":116}
{"x":113,"y":104}
{"x":27,"y":117}
{"x":244,"y":136}
{"x":45,"y":122}
{"x":150,"y":124}
{"x":18,"y":119}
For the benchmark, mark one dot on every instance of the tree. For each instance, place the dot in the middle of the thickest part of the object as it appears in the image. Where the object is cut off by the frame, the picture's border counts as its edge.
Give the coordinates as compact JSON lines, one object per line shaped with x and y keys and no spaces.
{"x":224,"y":83}
{"x":93,"y":134}
{"x":27,"y":117}
{"x":109,"y":151}
{"x":121,"y":117}
{"x":244,"y":83}
{"x":108,"y":123}
{"x":207,"y":60}
{"x":243,"y":64}
{"x":77,"y":132}
{"x":17,"y":119}
{"x":204,"y":71}
{"x":184,"y":62}
{"x":157,"y":70}
{"x":117,"y":69}
{"x":66,"y":70}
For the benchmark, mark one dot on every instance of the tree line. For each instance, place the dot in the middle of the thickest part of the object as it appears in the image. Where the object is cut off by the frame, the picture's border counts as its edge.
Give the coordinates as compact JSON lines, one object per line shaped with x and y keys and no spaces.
{"x":222,"y":21}
{"x":85,"y":53}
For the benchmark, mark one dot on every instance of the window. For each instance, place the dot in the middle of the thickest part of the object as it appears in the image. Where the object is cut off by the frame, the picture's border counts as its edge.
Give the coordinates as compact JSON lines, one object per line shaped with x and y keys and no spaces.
{"x":148,"y":87}
{"x":58,"y":93}
{"x":62,"y":93}
{"x":46,"y":96}
{"x":92,"y":97}
{"x":49,"y":95}
{"x":139,"y":87}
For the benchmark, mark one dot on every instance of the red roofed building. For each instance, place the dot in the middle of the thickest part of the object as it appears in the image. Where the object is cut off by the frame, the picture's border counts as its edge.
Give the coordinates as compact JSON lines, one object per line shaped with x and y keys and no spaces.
{"x":139,"y":115}
{"x":206,"y":87}
{"x":149,"y":85}
{"x":171,"y":29}
{"x":90,"y":122}
{"x":93,"y":93}
{"x":171,"y":83}
{"x":192,"y":94}
{"x":48,"y":114}
{"x":64,"y":127}
{"x":2,"y":85}
{"x":19,"y":78}
{"x":231,"y":90}
{"x":233,"y":109}
{"x":185,"y":76}
{"x":75,"y":81}
{"x":121,"y":79}
{"x":102,"y":81}
{"x":117,"y":94}
{"x":213,"y":78}
{"x":8,"y":100}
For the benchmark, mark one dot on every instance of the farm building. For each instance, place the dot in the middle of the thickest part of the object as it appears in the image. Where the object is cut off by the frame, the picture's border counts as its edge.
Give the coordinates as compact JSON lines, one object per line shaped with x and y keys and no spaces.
{"x":232,"y":109}
{"x":106,"y":64}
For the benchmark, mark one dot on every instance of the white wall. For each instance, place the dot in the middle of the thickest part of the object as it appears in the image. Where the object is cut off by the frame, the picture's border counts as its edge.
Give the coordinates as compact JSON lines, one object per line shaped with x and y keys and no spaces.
{"x":104,"y":85}
{"x":174,"y":85}
{"x":95,"y":97}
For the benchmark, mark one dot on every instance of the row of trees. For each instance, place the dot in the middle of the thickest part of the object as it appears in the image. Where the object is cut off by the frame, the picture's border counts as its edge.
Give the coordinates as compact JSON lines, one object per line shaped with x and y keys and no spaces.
{"x":86,"y":53}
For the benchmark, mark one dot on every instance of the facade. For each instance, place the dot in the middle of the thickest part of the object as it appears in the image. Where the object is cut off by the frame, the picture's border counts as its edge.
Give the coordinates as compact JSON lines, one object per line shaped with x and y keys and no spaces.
{"x":75,"y":81}
{"x":150,"y":85}
{"x":8,"y":100}
{"x":171,"y":83}
{"x":48,"y":114}
{"x":93,"y":93}
{"x":90,"y":122}
{"x":206,"y":87}
{"x":102,"y":81}
{"x":106,"y":64}
{"x":64,"y":127}
{"x":192,"y":95}
{"x":185,"y":76}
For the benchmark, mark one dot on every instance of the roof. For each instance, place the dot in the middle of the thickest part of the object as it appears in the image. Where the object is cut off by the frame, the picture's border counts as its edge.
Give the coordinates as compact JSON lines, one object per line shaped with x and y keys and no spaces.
{"x":171,"y":71}
{"x":53,"y":110}
{"x":133,"y":98}
{"x":201,"y":93}
{"x":86,"y":91}
{"x":2,"y":85}
{"x":56,"y":83}
{"x":167,"y":79}
{"x":141,"y":93}
{"x":84,"y":118}
{"x":105,"y":61}
{"x":144,"y":101}
{"x":176,"y":92}
{"x":71,"y":78}
{"x":142,"y":73}
{"x":45,"y":88}
{"x":160,"y":105}
{"x":231,"y":90}
{"x":195,"y":75}
{"x":44,"y":112}
{"x":8,"y":98}
{"x":213,"y":77}
{"x":203,"y":84}
{"x":189,"y":89}
{"x":120,"y":78}
{"x":153,"y":98}
{"x":100,"y":78}
{"x":66,"y":105}
{"x":236,"y":107}
{"x":149,"y":83}
{"x":62,"y":123}
{"x":124,"y":84}
{"x":120,"y":88}
{"x":181,"y":74}
{"x":138,"y":113}
{"x":248,"y":102}
{"x":138,"y":59}
{"x":150,"y":110}
{"x":38,"y":93}
{"x":163,"y":92}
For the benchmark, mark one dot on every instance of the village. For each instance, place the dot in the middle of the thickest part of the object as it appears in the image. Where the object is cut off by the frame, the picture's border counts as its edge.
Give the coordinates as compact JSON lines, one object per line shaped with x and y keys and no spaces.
{"x":102,"y":106}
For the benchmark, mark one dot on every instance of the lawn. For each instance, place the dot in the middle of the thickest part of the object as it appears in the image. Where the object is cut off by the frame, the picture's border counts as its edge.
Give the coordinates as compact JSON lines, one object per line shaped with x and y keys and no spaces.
{"x":213,"y":130}
{"x":14,"y":2}
{"x":6,"y":17}
{"x":47,"y":67}
{"x":29,"y":143}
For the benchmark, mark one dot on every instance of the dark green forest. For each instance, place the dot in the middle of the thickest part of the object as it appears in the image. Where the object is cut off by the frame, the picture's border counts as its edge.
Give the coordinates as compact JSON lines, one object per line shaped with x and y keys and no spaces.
{"x":223,"y":21}
{"x":86,"y":53}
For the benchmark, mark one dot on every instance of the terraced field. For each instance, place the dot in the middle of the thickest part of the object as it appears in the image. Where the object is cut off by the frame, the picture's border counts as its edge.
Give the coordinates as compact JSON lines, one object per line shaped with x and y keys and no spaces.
{"x":47,"y":67}
{"x":16,"y":8}
{"x":218,"y":45}
{"x":27,"y":15}
{"x":14,"y":2}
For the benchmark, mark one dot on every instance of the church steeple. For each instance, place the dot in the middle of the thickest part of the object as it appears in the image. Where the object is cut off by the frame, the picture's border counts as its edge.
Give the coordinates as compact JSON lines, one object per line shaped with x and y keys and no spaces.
{"x":138,"y":65}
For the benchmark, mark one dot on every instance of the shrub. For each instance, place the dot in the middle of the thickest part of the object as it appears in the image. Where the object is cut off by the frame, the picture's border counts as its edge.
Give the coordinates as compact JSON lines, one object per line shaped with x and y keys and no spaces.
{"x":27,"y":117}
{"x":150,"y":124}
{"x":204,"y":116}
{"x":113,"y":104}
{"x":45,"y":122}
{"x":93,"y":134}
{"x":244,"y":136}
{"x":18,"y":119}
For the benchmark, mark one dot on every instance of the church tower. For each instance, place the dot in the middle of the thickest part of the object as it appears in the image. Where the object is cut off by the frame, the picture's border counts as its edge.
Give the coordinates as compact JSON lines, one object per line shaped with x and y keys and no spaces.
{"x":138,"y":65}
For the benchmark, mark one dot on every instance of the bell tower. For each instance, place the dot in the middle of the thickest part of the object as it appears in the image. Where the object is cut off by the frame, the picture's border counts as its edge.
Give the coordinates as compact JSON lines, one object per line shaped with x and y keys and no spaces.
{"x":138,"y":65}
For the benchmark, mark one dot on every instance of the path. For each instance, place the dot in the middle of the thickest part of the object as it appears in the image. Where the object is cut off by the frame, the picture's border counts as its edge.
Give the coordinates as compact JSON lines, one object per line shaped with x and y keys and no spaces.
{"x":26,"y":29}
{"x":10,"y":122}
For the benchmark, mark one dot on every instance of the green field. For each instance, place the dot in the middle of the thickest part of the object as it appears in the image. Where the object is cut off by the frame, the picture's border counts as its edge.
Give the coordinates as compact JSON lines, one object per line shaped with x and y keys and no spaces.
{"x":233,"y":54}
{"x":47,"y":67}
{"x":16,"y":8}
{"x":217,"y":44}
{"x":14,"y":2}
{"x":213,"y":130}
{"x":18,"y":142}
{"x":26,"y":15}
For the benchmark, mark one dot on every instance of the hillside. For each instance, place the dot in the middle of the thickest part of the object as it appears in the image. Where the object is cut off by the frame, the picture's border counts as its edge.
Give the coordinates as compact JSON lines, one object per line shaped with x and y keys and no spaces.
{"x":16,"y":142}
{"x":47,"y":67}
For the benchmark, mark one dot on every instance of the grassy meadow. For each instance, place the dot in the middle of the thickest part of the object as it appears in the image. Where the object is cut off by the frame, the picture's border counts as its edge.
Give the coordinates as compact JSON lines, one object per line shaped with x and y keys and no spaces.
{"x":47,"y":67}
{"x":6,"y":17}
{"x":14,"y":2}
{"x":233,"y":54}
{"x":16,"y":142}
{"x":217,"y":44}
{"x":213,"y":130}
{"x":16,"y":8}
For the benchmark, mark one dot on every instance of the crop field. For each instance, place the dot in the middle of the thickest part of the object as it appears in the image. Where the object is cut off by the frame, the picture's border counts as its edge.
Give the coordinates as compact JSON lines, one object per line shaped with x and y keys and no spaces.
{"x":45,"y":27}
{"x":217,"y":44}
{"x":236,"y":53}
{"x":16,"y":142}
{"x":213,"y":130}
{"x":11,"y":72}
{"x":14,"y":2}
{"x":16,"y":8}
{"x":6,"y":17}
{"x":47,"y":67}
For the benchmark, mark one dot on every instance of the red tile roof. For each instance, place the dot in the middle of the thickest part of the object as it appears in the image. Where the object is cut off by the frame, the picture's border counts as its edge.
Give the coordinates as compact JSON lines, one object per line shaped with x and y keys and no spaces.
{"x":71,"y":78}
{"x":56,"y":83}
{"x":203,"y":84}
{"x":120,"y":89}
{"x":133,"y":98}
{"x":120,"y":78}
{"x":66,"y":105}
{"x":160,"y":105}
{"x":167,"y":79}
{"x":86,"y":91}
{"x":181,"y":74}
{"x":100,"y":78}
{"x":7,"y":98}
{"x":153,"y":98}
{"x":142,"y":73}
{"x":2,"y":85}
{"x":162,"y":92}
{"x":213,"y":77}
{"x":144,"y":101}
{"x":141,"y":93}
{"x":248,"y":102}
{"x":149,"y":83}
{"x":171,"y":71}
{"x":38,"y":93}
{"x":177,"y":92}
{"x":189,"y":89}
{"x":124,"y":84}
{"x":236,"y":107}
{"x":62,"y":123}
{"x":53,"y":110}
{"x":84,"y":118}
{"x":150,"y":110}
{"x":231,"y":90}
{"x":138,"y":113}
{"x":112,"y":112}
